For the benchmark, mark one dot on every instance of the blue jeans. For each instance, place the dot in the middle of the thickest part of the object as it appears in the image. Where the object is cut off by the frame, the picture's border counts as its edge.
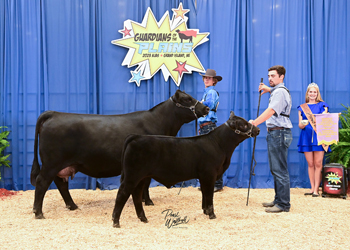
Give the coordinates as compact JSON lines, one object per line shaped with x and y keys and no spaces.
{"x":278,"y":142}
{"x":205,"y":130}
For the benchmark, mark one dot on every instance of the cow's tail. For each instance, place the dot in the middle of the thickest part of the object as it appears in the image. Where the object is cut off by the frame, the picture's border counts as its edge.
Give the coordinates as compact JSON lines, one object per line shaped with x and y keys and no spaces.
{"x":36,"y":167}
{"x":128,"y":139}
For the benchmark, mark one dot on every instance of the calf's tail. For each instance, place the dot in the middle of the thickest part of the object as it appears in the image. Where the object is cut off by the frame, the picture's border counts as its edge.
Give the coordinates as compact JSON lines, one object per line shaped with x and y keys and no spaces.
{"x":128,"y":139}
{"x":36,"y":167}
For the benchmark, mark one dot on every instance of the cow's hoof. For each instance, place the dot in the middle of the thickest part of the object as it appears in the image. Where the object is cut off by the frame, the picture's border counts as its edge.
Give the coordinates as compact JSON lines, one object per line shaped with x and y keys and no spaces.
{"x":149,"y":203}
{"x":205,"y":211}
{"x":212,"y":216}
{"x":116,"y":225}
{"x":39,"y":216}
{"x":72,"y":207}
{"x":143,"y":219}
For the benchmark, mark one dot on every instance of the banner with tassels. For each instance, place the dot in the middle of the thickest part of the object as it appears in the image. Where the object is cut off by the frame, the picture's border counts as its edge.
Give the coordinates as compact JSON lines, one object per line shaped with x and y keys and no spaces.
{"x":327,"y":128}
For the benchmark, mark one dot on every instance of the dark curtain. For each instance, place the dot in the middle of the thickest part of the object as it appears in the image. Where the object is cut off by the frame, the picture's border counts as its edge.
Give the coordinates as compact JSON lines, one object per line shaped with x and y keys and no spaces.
{"x":57,"y":55}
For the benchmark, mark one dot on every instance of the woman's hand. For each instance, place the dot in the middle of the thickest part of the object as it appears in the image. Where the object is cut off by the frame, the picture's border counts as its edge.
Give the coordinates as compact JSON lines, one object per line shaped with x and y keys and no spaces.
{"x":303,"y":124}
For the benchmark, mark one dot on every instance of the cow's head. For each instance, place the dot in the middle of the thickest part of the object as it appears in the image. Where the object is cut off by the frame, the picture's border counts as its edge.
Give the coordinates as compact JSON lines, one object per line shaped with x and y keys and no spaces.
{"x":241,"y":126}
{"x":183,"y":100}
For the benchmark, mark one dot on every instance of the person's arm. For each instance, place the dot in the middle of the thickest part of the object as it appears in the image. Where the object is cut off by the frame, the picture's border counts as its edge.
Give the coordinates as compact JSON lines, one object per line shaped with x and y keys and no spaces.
{"x":210,"y":99}
{"x":263,"y":117}
{"x":301,"y":126}
{"x":264,"y":88}
{"x":326,"y":111}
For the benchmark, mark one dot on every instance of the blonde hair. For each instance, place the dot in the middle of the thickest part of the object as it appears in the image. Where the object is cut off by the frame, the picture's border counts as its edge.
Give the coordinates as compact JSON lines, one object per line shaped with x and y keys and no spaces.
{"x":313,"y":85}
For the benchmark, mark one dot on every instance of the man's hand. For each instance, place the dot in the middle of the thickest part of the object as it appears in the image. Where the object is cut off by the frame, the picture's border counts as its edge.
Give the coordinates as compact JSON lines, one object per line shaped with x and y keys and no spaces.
{"x":252,"y":122}
{"x":264,"y":88}
{"x":263,"y":117}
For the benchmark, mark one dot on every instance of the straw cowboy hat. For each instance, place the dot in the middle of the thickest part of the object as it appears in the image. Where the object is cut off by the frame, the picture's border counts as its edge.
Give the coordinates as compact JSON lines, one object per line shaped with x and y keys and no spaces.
{"x":212,"y":73}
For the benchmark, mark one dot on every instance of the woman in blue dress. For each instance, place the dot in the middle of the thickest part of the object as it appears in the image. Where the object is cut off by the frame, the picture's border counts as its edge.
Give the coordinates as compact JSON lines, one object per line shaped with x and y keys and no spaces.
{"x":308,"y":138}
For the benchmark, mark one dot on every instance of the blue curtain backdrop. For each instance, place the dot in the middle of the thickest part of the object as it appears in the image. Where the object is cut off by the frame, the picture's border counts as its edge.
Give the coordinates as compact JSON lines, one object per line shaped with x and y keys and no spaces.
{"x":57,"y":55}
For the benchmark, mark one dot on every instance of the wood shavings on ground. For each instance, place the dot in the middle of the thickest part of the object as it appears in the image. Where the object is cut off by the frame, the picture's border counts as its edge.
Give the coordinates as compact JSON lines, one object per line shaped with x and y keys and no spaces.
{"x":312,"y":223}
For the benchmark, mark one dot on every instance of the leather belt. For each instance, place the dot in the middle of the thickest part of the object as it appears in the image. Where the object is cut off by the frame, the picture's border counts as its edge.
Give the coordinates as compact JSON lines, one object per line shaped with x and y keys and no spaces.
{"x":275,"y":128}
{"x":205,"y":124}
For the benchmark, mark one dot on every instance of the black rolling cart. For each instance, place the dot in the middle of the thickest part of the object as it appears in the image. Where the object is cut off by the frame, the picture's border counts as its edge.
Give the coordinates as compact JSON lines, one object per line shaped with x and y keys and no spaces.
{"x":334,"y":180}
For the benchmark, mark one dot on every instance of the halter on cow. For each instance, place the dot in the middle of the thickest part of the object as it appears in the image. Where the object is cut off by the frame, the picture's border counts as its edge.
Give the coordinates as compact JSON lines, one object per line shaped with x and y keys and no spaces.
{"x":170,"y":160}
{"x":92,"y":144}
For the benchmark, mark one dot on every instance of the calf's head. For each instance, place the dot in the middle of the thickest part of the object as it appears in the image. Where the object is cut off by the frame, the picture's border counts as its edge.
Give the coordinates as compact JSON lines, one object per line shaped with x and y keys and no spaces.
{"x":183,"y":100}
{"x":241,"y":126}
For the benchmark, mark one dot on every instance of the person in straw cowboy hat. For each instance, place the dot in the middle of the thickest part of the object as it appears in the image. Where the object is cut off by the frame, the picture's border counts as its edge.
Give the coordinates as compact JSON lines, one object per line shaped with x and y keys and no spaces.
{"x":211,"y":100}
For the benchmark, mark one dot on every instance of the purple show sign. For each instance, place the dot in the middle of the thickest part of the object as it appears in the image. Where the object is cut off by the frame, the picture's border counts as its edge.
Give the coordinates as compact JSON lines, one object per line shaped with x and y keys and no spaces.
{"x":327,"y":128}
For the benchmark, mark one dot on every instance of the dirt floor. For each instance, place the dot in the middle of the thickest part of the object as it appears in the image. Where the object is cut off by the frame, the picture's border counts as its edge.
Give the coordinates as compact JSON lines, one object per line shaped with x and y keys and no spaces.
{"x":312,"y":223}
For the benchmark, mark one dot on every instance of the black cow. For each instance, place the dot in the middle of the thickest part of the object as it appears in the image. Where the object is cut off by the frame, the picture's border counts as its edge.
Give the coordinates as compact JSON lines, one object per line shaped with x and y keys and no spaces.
{"x":92,"y":144}
{"x":170,"y":160}
{"x":187,"y":34}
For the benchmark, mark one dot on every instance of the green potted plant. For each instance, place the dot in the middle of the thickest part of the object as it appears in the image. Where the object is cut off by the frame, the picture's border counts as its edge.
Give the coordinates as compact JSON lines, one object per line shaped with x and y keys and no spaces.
{"x":4,"y":144}
{"x":341,"y":151}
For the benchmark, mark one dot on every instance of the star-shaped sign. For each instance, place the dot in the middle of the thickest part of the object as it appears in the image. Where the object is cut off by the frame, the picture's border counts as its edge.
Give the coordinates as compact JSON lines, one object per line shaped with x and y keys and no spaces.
{"x":180,"y":11}
{"x":125,"y":32}
{"x":136,"y":77}
{"x":165,"y":45}
{"x":180,"y":68}
{"x":333,"y":178}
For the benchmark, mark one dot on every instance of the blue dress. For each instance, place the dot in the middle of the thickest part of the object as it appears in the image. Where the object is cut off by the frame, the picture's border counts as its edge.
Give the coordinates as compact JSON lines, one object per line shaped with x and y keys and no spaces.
{"x":308,"y":137}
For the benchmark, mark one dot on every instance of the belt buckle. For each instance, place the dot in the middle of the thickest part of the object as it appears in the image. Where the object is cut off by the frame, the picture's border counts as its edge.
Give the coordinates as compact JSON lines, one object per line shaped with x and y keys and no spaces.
{"x":205,"y":124}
